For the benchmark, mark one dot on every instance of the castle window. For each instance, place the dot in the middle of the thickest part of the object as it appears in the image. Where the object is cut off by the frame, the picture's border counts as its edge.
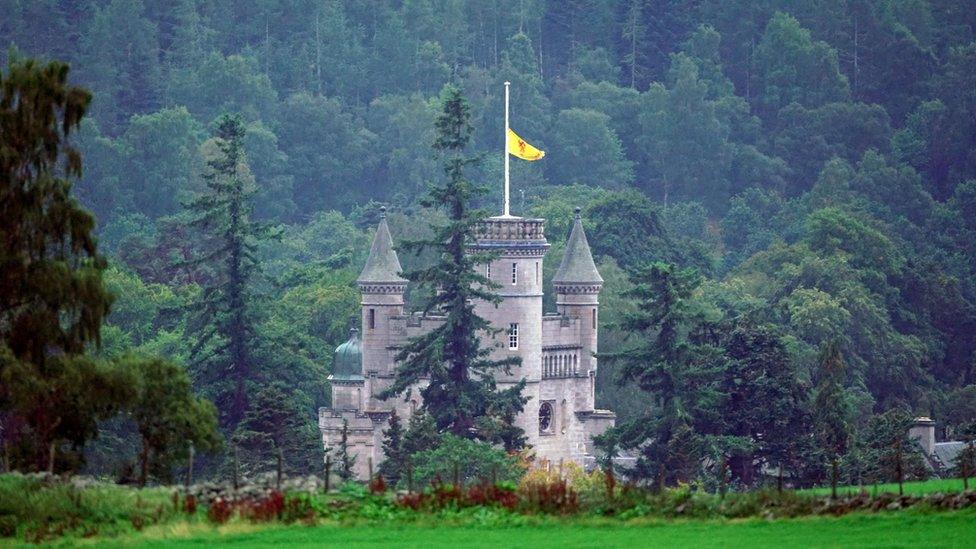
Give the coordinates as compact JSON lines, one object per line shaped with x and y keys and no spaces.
{"x":594,"y":318}
{"x":371,"y":319}
{"x":488,"y":271}
{"x":545,"y":418}
{"x":536,"y":272}
{"x":514,"y":273}
{"x":513,"y":336}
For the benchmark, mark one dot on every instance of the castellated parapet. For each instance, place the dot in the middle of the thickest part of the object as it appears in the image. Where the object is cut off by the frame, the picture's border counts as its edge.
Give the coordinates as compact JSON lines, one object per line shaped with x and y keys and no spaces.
{"x":556,"y":349}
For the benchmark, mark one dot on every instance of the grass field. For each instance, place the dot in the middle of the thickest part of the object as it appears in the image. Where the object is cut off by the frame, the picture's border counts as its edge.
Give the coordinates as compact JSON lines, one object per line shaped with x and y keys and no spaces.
{"x":903,"y":529}
{"x":951,"y":485}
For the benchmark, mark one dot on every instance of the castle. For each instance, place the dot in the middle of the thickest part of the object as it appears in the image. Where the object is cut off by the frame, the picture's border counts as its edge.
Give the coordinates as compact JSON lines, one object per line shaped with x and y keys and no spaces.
{"x":557,"y":349}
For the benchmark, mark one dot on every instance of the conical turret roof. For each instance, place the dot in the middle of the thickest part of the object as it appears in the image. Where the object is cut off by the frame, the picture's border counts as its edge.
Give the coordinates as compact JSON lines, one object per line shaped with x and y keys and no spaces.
{"x":577,"y":266}
{"x":382,"y":264}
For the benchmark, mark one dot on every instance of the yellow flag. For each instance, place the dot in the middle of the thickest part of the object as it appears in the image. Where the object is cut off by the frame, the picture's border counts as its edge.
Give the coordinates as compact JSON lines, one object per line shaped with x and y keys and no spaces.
{"x":518,"y":147}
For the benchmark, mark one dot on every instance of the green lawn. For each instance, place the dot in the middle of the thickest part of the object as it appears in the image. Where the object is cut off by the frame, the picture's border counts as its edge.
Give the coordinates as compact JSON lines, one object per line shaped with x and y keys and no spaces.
{"x":951,"y":485}
{"x":902,"y":529}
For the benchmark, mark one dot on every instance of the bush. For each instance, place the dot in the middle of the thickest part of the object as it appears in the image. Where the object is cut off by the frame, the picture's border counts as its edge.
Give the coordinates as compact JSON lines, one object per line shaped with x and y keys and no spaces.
{"x":42,"y":507}
{"x":476,"y":463}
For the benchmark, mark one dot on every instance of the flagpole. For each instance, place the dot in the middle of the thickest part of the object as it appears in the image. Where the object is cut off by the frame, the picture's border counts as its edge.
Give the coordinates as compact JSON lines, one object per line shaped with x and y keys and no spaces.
{"x":506,"y":150}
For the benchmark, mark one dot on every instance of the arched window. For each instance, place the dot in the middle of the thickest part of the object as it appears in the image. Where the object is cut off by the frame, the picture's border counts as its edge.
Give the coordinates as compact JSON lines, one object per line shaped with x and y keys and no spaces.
{"x":545,"y":418}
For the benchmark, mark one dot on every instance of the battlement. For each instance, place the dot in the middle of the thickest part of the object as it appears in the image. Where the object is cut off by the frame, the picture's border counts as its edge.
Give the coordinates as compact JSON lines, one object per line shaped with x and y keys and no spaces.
{"x":511,"y":233}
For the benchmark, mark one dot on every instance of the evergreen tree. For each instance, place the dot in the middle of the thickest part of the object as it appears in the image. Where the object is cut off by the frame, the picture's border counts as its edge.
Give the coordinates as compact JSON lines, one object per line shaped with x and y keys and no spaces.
{"x":52,"y":299}
{"x":666,"y":361}
{"x":633,"y":32}
{"x":758,"y":369}
{"x":421,"y":434}
{"x":461,"y":396}
{"x":277,"y":421}
{"x":393,"y":467}
{"x":344,"y":459}
{"x":221,"y":322}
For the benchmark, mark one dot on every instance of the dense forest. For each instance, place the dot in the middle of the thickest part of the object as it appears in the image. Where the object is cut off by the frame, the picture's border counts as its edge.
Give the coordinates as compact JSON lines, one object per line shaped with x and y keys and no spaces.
{"x":798,"y":176}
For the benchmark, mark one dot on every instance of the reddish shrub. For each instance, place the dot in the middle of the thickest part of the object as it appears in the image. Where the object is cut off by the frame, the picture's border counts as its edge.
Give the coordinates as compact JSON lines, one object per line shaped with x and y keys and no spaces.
{"x":550,"y":497}
{"x":265,"y":509}
{"x":220,"y":511}
{"x":377,"y":485}
{"x":190,"y":505}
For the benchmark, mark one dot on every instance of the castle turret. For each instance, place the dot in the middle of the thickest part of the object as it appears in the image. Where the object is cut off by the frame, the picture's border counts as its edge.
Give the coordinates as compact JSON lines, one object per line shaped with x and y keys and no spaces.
{"x":347,"y":378}
{"x":382,"y":290}
{"x":520,"y":246}
{"x":578,"y":283}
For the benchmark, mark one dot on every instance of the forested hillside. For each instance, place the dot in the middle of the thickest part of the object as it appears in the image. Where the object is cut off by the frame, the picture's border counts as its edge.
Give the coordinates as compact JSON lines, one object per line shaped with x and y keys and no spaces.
{"x":807,"y":167}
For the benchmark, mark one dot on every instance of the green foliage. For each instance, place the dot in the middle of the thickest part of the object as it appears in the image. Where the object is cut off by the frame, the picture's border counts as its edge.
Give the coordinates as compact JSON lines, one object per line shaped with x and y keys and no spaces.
{"x":884,"y":452}
{"x":476,"y":462}
{"x":587,"y":151}
{"x":52,"y":300}
{"x":794,"y":68}
{"x":461,"y":395}
{"x":345,"y":460}
{"x":221,"y":324}
{"x":394,"y":466}
{"x":278,"y":420}
{"x":666,"y":361}
{"x":169,"y":418}
{"x":829,"y":146}
{"x":34,"y":510}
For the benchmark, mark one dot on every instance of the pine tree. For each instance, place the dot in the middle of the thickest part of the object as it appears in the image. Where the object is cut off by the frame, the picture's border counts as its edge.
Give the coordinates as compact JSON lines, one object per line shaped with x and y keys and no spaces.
{"x":392,"y":467}
{"x":461,"y":395}
{"x":346,"y":461}
{"x":221,"y":323}
{"x":421,"y":434}
{"x":668,"y":364}
{"x":633,"y":32}
{"x":277,"y":420}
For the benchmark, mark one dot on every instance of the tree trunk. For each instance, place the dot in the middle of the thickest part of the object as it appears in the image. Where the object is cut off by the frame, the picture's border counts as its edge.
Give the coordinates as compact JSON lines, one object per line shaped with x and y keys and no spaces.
{"x":143,"y":463}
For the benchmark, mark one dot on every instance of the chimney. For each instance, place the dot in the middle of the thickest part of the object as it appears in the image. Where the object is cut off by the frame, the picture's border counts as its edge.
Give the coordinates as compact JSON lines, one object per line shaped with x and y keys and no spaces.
{"x":923,"y":430}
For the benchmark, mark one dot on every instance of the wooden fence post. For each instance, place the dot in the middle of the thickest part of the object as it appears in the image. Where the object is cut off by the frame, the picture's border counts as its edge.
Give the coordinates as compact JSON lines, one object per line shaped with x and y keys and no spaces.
{"x":409,"y":476}
{"x":50,"y":458}
{"x":833,"y":478}
{"x":898,"y":468}
{"x":779,"y":479}
{"x":189,"y":467}
{"x":237,"y":467}
{"x":278,"y":479}
{"x":328,"y":471}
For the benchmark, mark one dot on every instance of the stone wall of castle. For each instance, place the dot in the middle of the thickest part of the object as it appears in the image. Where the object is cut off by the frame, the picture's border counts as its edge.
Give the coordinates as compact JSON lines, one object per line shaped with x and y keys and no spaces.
{"x":555,"y":349}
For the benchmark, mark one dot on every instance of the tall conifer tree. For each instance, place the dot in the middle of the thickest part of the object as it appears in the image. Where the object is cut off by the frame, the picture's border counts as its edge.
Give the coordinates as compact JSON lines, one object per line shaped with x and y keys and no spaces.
{"x":461,"y":396}
{"x":670,"y":365}
{"x":52,"y":299}
{"x":222,"y":323}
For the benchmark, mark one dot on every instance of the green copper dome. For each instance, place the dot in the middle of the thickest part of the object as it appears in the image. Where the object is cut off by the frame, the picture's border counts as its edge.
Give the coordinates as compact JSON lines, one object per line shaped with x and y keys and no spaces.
{"x":347,"y":363}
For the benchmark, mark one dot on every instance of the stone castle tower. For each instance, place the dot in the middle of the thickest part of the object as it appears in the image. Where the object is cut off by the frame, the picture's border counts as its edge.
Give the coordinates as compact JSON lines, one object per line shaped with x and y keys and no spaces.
{"x":556,"y":348}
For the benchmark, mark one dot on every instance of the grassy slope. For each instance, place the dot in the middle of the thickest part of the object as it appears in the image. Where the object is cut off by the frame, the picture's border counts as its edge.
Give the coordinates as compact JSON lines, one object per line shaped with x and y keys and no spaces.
{"x":950,"y":485}
{"x":903,"y":529}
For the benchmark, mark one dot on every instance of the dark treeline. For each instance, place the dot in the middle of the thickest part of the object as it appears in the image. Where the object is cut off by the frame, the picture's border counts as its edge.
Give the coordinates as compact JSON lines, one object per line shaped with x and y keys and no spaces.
{"x":798,"y":175}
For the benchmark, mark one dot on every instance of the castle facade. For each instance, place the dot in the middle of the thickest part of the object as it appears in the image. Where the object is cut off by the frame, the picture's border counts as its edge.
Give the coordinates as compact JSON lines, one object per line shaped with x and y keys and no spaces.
{"x":556,"y":349}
